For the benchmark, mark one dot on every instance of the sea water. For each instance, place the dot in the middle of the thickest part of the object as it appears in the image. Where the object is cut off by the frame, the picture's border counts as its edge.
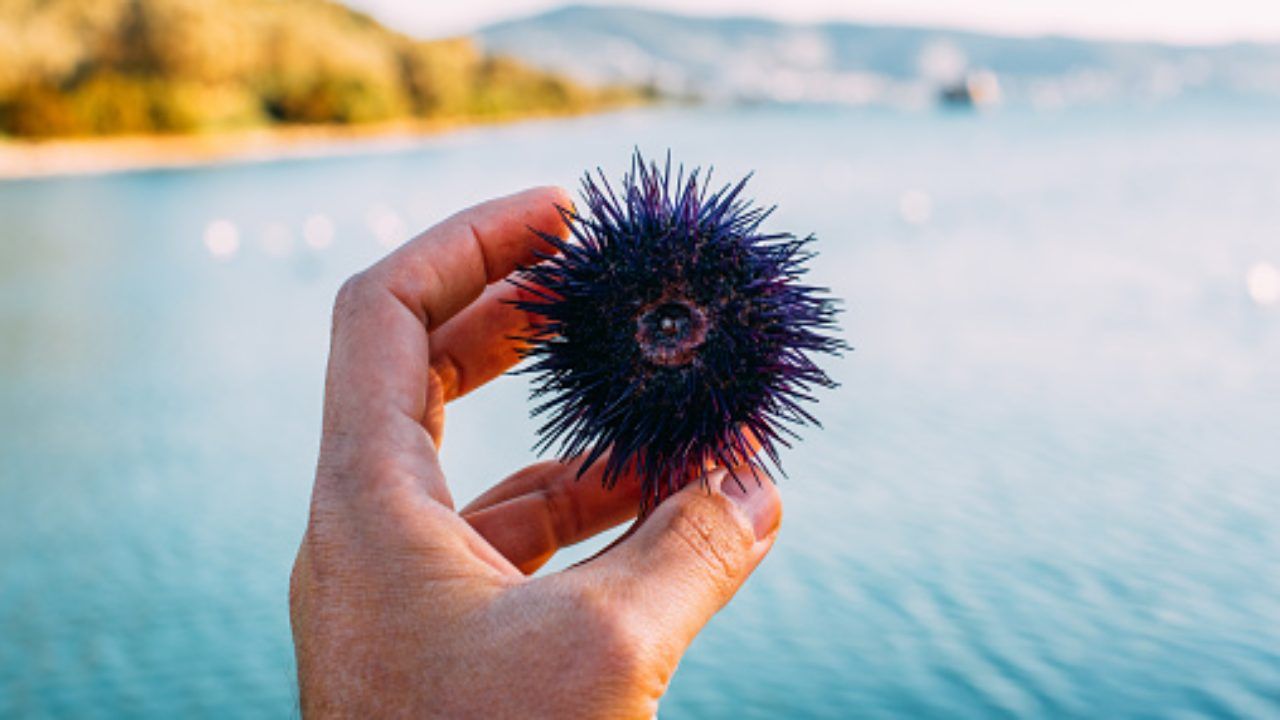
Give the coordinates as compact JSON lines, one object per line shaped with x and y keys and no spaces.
{"x":1048,"y":486}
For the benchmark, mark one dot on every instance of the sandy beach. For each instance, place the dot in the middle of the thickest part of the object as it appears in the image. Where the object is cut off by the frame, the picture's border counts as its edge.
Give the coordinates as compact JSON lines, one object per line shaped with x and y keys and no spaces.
{"x":24,"y":159}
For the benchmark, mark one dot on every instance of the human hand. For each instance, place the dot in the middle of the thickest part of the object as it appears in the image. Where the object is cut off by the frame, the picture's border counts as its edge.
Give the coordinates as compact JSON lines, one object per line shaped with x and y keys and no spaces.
{"x":402,"y":605}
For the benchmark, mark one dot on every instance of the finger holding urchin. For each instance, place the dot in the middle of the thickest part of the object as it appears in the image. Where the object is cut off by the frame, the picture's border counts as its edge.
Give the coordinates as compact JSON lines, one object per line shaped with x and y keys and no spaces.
{"x":671,"y":332}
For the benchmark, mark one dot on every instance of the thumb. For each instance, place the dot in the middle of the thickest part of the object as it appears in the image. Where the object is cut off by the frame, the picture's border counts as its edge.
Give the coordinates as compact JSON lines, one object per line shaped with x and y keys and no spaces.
{"x":689,"y":557}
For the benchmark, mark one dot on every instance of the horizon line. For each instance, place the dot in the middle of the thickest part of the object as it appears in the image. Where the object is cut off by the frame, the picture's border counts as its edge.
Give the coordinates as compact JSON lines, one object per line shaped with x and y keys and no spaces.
{"x":1027,"y":31}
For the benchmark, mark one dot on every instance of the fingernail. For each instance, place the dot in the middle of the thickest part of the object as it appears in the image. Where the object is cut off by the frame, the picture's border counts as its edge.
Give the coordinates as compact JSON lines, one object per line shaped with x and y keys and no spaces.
{"x":756,"y":499}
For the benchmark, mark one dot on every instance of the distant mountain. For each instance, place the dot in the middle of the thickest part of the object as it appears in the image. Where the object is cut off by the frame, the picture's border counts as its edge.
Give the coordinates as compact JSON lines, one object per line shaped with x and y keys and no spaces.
{"x":739,"y":58}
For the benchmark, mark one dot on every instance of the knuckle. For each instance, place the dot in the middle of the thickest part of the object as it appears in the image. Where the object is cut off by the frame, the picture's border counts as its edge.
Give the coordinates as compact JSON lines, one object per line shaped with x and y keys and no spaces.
{"x":350,"y":296}
{"x":349,"y":291}
{"x":355,"y":466}
{"x":567,"y":522}
{"x":712,"y":534}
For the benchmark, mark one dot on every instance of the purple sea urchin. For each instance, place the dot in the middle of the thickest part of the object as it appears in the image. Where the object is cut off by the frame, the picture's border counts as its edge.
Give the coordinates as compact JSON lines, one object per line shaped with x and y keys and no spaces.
{"x":674,"y":335}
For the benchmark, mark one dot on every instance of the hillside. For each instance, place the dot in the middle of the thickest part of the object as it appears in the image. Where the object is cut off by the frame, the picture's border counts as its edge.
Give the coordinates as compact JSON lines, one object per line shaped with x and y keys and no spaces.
{"x":70,"y":67}
{"x":737,"y":58}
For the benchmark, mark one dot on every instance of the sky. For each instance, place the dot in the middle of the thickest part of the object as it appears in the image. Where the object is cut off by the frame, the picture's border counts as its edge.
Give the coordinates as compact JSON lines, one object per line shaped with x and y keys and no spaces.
{"x":1178,"y":21}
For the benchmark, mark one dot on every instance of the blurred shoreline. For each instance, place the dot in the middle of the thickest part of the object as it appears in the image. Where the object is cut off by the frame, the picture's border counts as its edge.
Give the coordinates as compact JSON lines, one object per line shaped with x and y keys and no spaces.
{"x":34,"y":159}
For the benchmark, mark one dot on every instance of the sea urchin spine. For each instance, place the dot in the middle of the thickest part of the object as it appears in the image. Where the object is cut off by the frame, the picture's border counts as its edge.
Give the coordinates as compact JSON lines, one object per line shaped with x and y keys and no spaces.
{"x":671,"y":334}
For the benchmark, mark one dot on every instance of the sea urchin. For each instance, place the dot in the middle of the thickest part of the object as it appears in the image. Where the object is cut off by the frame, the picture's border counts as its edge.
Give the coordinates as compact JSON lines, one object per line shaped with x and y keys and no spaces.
{"x":671,"y":335}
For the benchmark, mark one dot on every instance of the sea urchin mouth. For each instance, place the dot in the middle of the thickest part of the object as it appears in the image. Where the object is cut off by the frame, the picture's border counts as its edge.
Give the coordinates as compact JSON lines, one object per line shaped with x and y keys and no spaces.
{"x":670,"y":331}
{"x":671,"y":334}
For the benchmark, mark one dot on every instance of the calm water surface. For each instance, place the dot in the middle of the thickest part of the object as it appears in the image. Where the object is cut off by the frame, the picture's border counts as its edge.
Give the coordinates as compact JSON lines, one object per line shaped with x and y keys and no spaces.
{"x":1049,"y":486}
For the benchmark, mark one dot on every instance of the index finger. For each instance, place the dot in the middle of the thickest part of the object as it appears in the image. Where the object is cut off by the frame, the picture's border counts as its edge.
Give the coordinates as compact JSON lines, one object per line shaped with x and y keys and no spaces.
{"x":446,"y":268}
{"x":379,"y":362}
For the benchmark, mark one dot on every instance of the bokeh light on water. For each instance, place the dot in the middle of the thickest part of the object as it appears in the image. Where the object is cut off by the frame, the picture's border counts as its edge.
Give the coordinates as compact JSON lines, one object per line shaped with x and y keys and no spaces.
{"x":1264,"y":283}
{"x":1048,"y":486}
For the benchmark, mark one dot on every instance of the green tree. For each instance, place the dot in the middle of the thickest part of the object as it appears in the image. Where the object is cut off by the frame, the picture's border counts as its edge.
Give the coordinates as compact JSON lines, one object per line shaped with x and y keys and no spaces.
{"x":135,"y":66}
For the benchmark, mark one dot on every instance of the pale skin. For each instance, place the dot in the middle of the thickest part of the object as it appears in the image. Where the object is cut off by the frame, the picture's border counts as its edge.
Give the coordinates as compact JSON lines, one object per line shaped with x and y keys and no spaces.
{"x":403,"y":605}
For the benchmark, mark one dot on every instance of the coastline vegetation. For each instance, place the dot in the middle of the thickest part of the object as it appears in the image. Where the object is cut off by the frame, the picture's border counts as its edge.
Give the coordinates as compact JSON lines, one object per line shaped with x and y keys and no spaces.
{"x":73,"y":68}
